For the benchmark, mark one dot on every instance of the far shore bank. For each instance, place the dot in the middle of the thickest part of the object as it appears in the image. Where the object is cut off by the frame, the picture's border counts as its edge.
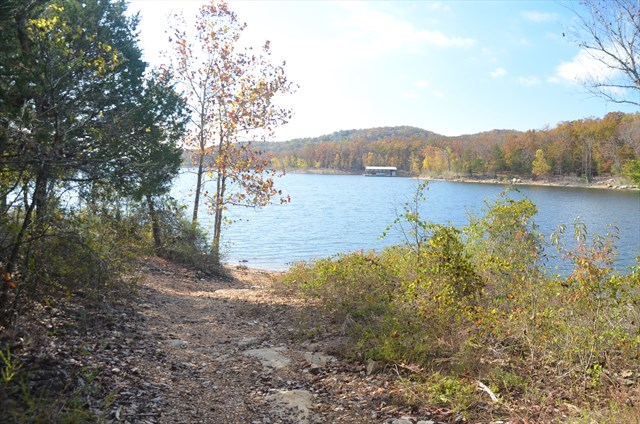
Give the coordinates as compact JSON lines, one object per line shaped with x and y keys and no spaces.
{"x":609,"y":182}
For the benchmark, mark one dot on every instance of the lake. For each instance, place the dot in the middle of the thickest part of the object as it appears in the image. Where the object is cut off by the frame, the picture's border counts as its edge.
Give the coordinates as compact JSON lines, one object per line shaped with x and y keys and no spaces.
{"x":329,"y":214}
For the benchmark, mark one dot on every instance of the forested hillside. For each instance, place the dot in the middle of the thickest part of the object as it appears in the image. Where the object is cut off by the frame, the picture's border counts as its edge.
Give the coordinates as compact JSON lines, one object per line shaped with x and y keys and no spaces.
{"x":371,"y":134}
{"x":586,"y":148}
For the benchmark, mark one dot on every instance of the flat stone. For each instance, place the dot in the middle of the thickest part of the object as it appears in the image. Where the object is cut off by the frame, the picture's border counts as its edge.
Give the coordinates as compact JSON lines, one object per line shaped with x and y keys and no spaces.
{"x":270,"y":357}
{"x":247,"y":342}
{"x":294,"y":404}
{"x":374,"y":367}
{"x":178,"y":343}
{"x":318,"y":359}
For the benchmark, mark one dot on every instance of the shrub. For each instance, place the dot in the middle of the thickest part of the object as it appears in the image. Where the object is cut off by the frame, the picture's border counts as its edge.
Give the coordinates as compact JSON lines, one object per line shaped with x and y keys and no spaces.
{"x":357,"y":285}
{"x":479,"y":303}
{"x":90,"y":247}
{"x":178,"y":240}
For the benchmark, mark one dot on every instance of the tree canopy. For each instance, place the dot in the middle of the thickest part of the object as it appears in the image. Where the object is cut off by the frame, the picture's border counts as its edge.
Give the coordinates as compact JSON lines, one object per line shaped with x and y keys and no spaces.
{"x":78,"y":110}
{"x":608,"y":31}
{"x":231,"y":92}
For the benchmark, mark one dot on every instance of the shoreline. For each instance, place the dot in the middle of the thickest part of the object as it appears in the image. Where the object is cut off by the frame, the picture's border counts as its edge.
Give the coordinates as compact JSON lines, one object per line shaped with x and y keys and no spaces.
{"x":602,"y":183}
{"x":609,"y":183}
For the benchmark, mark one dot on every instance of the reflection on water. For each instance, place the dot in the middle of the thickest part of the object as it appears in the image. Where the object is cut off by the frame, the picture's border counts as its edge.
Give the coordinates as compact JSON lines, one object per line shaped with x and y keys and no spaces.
{"x":329,"y":214}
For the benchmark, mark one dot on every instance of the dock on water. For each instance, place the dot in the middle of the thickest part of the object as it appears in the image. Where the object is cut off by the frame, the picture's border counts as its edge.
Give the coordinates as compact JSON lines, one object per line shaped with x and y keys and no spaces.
{"x":380,"y":171}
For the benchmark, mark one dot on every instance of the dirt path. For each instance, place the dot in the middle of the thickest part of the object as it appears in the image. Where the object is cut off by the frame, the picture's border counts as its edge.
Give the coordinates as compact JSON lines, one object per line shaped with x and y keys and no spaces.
{"x":231,"y":351}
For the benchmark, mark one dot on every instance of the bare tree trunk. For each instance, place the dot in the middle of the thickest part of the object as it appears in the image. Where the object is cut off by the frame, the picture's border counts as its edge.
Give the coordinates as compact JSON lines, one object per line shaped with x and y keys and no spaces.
{"x":155,"y":224}
{"x":17,"y":243}
{"x":196,"y":202}
{"x":3,"y":200}
{"x":587,"y":158}
{"x":615,"y":156}
{"x":40,"y":195}
{"x":217,"y":222}
{"x":38,"y":203}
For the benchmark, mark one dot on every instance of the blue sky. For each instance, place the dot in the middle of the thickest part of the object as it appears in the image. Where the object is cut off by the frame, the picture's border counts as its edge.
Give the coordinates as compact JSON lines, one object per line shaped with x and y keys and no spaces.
{"x":455,"y":67}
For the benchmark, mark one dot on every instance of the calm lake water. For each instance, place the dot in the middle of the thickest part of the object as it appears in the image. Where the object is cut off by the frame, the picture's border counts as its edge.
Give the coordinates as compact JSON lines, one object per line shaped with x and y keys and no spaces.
{"x":329,"y":214}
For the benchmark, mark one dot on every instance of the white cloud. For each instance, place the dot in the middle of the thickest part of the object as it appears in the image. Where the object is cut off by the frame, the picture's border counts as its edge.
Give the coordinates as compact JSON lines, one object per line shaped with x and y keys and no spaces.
{"x":539,"y":17}
{"x":371,"y":33}
{"x":437,"y":93}
{"x":529,"y":81}
{"x":437,"y":38}
{"x":421,"y":83}
{"x":584,"y":66}
{"x":498,"y":72}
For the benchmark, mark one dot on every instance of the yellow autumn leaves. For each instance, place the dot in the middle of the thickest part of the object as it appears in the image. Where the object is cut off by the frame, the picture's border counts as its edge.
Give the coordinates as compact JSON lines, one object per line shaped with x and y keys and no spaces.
{"x":52,"y":31}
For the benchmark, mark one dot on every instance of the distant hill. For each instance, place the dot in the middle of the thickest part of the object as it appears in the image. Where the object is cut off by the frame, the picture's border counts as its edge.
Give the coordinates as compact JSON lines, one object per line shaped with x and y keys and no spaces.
{"x":586,"y":148}
{"x":369,"y":134}
{"x":405,"y":137}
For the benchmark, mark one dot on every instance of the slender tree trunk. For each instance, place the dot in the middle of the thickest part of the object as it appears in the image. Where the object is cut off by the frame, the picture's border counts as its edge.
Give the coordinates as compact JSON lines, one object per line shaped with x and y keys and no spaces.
{"x":37,"y":201}
{"x":3,"y":201}
{"x":221,"y":187}
{"x":196,"y":202}
{"x":616,"y":158}
{"x":202,"y":152}
{"x":4,"y":141}
{"x":586,"y":161}
{"x":17,"y":243}
{"x":448,"y":155}
{"x":217,"y":222}
{"x":155,"y":224}
{"x":15,"y":251}
{"x":40,"y":195}
{"x":215,"y":246}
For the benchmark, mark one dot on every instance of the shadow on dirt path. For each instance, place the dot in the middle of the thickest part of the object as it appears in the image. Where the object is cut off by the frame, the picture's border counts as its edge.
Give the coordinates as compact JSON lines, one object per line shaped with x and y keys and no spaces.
{"x":235,"y":351}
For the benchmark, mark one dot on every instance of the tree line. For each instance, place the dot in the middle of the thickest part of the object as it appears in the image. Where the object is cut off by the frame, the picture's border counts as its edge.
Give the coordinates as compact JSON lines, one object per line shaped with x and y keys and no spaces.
{"x":84,"y":124}
{"x":585,"y":148}
{"x":91,"y":138}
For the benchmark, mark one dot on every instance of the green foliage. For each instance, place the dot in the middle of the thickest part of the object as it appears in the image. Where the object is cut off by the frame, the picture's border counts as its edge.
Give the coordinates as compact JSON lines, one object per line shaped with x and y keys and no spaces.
{"x":92,"y":249}
{"x":632,"y":170}
{"x":504,"y":242}
{"x":478,"y":303}
{"x":456,"y":394}
{"x":540,"y":166}
{"x":10,"y":366}
{"x":507,"y":382}
{"x":87,"y":251}
{"x":181,"y":240}
{"x":22,"y":402}
{"x":355,"y":285}
{"x":78,"y":113}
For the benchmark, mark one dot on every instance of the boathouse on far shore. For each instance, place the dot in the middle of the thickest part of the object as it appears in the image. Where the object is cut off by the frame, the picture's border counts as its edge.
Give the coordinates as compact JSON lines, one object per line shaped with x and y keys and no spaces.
{"x":380,"y":171}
